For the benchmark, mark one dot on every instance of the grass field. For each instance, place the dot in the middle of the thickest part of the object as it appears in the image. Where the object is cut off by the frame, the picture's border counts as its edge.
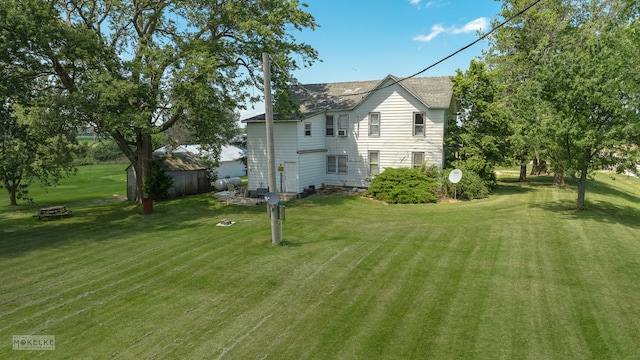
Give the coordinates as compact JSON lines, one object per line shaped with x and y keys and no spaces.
{"x":517,"y":275}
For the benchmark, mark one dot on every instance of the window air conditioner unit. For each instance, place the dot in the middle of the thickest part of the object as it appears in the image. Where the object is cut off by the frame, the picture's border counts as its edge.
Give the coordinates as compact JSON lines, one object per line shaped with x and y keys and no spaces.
{"x":342,"y":132}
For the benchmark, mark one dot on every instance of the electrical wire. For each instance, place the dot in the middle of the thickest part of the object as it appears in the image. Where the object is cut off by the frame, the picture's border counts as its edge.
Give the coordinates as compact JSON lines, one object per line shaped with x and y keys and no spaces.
{"x":482,"y":37}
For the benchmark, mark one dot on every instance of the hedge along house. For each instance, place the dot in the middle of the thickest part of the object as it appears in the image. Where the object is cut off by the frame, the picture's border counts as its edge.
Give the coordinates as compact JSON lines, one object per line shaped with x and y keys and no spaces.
{"x":187,"y":170}
{"x":352,"y":131}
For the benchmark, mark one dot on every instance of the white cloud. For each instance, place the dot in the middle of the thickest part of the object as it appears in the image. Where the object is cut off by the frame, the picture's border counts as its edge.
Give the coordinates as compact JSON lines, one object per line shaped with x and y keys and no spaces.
{"x":435,"y":30}
{"x":428,"y":3}
{"x":471,"y":26}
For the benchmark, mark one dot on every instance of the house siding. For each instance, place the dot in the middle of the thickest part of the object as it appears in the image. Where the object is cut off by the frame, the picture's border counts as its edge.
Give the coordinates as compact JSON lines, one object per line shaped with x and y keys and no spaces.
{"x":395,"y":143}
{"x":285,"y":141}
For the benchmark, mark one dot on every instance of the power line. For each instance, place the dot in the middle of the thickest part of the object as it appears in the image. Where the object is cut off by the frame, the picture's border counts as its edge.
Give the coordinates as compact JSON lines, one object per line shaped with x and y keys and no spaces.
{"x":484,"y":36}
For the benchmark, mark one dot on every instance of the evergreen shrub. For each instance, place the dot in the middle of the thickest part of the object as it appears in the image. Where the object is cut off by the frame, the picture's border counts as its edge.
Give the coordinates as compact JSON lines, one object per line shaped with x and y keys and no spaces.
{"x":403,"y":186}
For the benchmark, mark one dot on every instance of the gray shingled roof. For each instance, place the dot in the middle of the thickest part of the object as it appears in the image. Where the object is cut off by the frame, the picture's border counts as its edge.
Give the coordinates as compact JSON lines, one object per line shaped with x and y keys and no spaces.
{"x":179,"y":161}
{"x":434,"y":91}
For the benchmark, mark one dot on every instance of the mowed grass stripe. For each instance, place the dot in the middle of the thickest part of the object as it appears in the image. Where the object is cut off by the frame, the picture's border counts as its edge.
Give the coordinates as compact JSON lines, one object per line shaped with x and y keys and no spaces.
{"x":133,"y":290}
{"x":518,"y":275}
{"x":304,"y":294}
{"x":130,"y":273}
{"x":246,"y":300}
{"x":113,"y":270}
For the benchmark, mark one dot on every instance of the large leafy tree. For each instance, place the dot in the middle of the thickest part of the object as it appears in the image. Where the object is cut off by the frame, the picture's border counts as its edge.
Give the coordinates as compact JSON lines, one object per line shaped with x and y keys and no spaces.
{"x":32,"y":148}
{"x":34,"y":145}
{"x":516,"y":53}
{"x":134,"y":68}
{"x":575,"y":60}
{"x":480,"y":131}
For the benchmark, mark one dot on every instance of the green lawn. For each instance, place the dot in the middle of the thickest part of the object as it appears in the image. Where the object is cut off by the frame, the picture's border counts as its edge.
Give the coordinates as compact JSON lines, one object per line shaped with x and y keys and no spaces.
{"x":517,"y":275}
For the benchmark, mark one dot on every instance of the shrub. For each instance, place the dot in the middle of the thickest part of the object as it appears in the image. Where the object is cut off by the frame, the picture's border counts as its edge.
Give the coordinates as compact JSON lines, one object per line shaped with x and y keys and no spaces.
{"x":158,"y":183}
{"x":106,"y":150}
{"x":403,"y":186}
{"x":84,"y":156}
{"x":480,"y":167}
{"x":470,"y":187}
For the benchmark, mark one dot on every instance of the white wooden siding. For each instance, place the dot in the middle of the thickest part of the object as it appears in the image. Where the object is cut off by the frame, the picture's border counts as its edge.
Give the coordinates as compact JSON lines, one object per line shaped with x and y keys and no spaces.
{"x":285,"y":145}
{"x":395,"y":142}
{"x":312,"y":170}
{"x":316,"y":140}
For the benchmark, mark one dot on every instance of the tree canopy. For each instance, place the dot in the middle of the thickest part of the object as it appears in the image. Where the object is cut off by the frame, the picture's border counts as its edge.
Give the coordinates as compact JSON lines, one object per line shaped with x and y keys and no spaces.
{"x":133,"y":68}
{"x":568,"y":79}
{"x":34,"y":146}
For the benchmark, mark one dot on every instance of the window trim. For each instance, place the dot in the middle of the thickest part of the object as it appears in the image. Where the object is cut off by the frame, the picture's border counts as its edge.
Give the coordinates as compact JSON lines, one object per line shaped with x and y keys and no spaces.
{"x":377,"y":163}
{"x":327,"y":127}
{"x":413,"y":158}
{"x":307,"y":132}
{"x":414,"y":125}
{"x":377,"y":134}
{"x":343,"y":125}
{"x":336,"y":164}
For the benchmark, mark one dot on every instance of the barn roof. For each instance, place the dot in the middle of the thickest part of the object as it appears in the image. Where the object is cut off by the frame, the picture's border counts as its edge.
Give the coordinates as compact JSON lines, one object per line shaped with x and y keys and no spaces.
{"x":180,"y":161}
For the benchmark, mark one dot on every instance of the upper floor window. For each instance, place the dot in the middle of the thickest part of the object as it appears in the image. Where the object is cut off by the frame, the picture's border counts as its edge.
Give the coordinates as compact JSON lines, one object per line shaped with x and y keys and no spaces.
{"x":307,"y":129}
{"x":329,"y":126}
{"x":343,"y":124}
{"x":374,"y":124}
{"x":418,"y":124}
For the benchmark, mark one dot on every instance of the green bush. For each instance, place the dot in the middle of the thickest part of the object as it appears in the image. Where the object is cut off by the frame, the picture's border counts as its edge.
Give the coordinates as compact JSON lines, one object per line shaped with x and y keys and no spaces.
{"x":106,"y":150}
{"x":158,"y":183}
{"x":480,"y":167}
{"x":84,"y":156}
{"x":470,"y":187}
{"x":403,"y":186}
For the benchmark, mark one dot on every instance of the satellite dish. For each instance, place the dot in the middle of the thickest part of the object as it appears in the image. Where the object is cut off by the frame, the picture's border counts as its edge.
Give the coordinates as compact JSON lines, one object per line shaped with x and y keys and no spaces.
{"x":272,"y":198}
{"x":455,"y":176}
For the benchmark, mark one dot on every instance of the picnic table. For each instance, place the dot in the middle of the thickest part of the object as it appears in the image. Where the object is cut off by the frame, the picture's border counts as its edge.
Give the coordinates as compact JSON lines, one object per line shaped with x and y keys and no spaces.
{"x":53,"y":211}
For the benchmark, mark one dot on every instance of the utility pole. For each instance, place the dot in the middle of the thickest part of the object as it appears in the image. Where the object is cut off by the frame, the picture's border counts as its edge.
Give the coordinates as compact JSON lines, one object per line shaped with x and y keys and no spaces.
{"x":271,"y":163}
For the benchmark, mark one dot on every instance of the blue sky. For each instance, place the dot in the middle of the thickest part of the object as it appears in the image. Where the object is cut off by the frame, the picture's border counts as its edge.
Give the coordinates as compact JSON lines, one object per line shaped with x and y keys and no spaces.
{"x":370,"y":39}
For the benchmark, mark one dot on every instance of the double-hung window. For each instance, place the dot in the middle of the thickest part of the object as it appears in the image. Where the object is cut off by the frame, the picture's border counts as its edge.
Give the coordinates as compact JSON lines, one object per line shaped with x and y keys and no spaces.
{"x":337,"y":164}
{"x":329,"y":126}
{"x":343,"y":124}
{"x":374,"y":162}
{"x":417,"y":158}
{"x":374,"y":124}
{"x":418,"y":124}
{"x":307,"y":129}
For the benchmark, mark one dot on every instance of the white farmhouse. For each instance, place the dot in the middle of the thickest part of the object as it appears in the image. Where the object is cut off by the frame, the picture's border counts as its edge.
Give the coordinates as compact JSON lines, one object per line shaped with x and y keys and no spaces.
{"x":352,"y":131}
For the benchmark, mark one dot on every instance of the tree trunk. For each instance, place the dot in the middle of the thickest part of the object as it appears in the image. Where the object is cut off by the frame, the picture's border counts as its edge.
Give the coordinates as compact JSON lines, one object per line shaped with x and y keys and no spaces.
{"x":12,"y":198}
{"x":140,"y":158}
{"x":539,"y":166}
{"x":534,"y":165}
{"x":558,"y":177}
{"x":523,"y":171}
{"x":582,"y":189}
{"x":143,"y":164}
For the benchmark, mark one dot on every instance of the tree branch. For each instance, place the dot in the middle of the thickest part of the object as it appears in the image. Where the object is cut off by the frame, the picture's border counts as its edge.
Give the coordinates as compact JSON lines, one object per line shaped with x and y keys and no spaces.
{"x":174,"y":119}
